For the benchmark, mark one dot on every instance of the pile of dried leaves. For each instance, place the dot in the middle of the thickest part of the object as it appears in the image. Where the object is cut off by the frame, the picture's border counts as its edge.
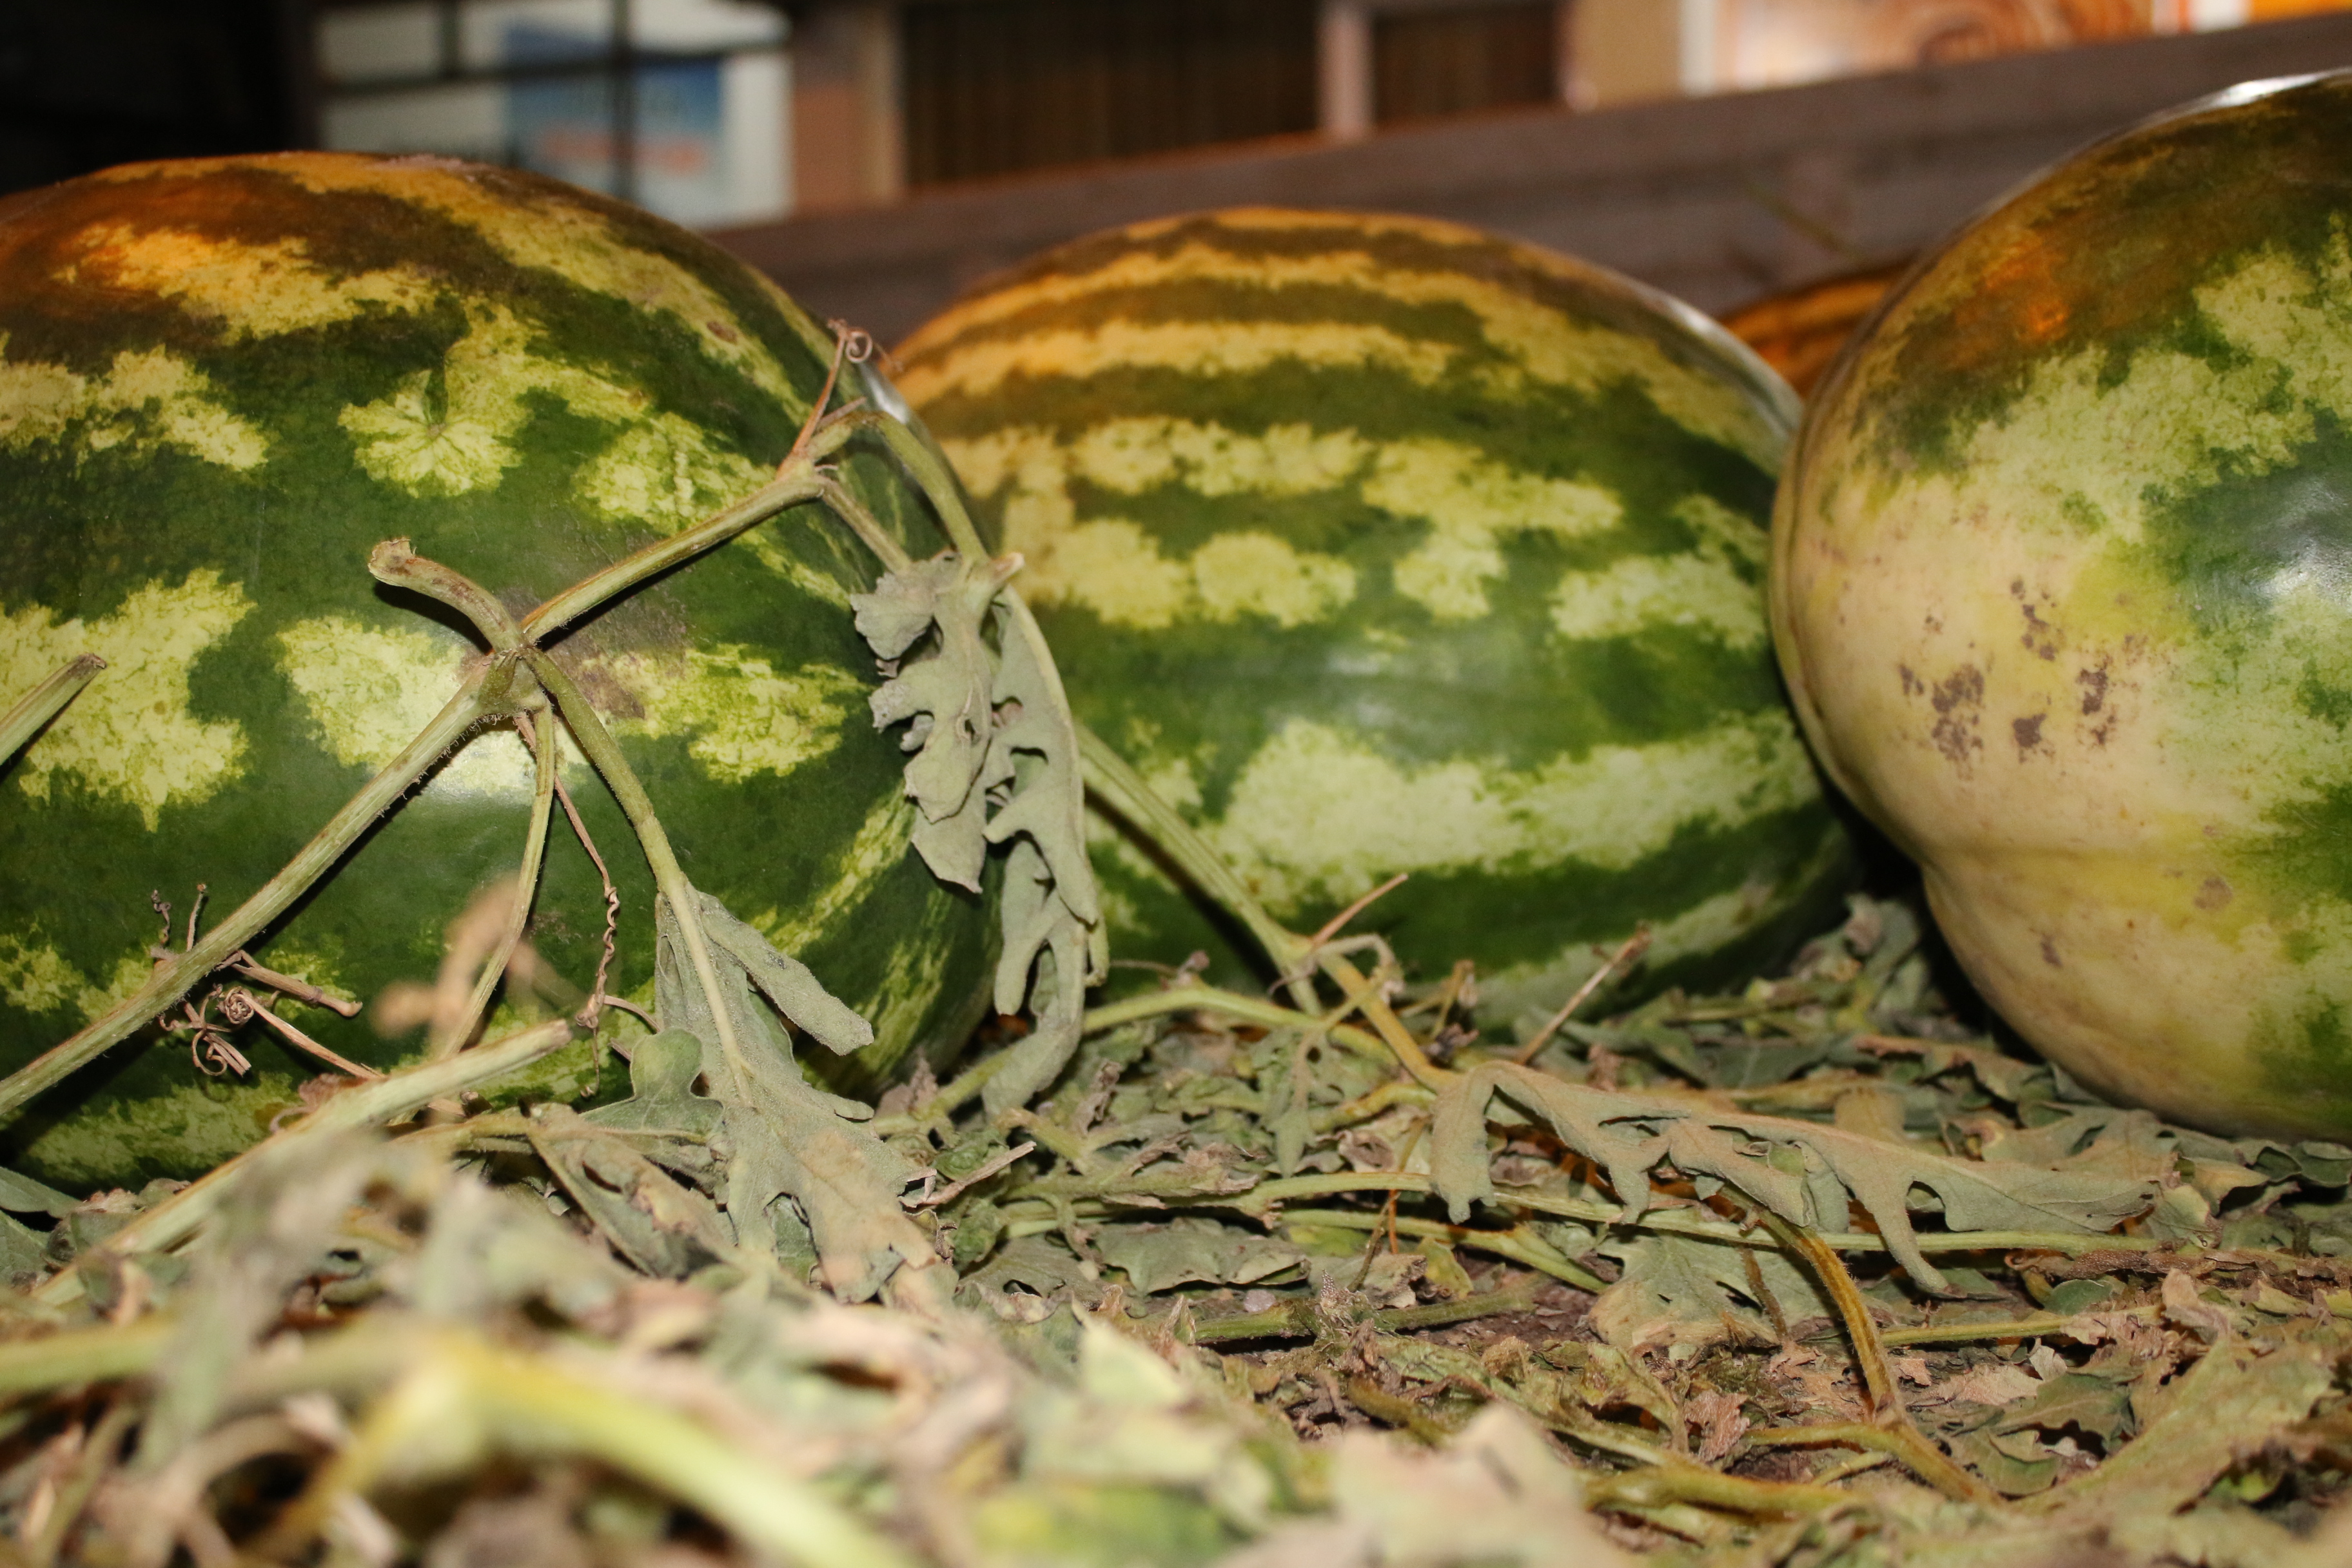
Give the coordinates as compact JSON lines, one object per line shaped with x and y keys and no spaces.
{"x":1809,"y":1275}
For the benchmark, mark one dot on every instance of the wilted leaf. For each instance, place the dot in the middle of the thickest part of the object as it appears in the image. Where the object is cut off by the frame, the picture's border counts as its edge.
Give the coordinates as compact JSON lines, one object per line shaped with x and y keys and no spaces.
{"x":942,"y":695}
{"x":1052,"y":914}
{"x":1157,"y":1258}
{"x":784,"y":1139}
{"x":665,"y":1229}
{"x":1802,"y":1170}
{"x":1681,"y":1291}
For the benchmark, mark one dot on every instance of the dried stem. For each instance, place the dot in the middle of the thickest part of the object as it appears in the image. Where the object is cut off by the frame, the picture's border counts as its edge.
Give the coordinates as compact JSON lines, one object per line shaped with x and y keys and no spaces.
{"x":1634,"y":946}
{"x":1904,"y":1440}
{"x":460,"y":1395}
{"x":669,"y":877}
{"x":1520,"y":1245}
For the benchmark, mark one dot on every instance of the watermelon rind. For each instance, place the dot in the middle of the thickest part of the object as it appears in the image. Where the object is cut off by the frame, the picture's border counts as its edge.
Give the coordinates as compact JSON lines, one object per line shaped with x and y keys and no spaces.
{"x":222,"y":383}
{"x":2059,"y":583}
{"x":1381,"y":544}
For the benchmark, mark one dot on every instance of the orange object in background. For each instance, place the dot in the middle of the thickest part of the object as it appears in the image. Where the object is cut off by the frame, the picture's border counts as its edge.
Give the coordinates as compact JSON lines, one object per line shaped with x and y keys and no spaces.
{"x":1798,"y":332}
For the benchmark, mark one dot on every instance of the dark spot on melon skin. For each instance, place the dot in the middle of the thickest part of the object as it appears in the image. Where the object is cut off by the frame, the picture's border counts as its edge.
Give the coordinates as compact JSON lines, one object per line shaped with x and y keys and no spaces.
{"x":1911,"y":685}
{"x":2213,"y":893}
{"x":2050,"y":953}
{"x":2040,"y":638}
{"x":2094,"y":683}
{"x":1956,"y":700}
{"x":2028,"y":733}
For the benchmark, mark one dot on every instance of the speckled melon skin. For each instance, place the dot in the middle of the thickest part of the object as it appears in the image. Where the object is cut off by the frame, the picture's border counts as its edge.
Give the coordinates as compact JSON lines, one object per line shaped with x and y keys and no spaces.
{"x":221,"y":384}
{"x":2059,"y":579}
{"x":1384,"y":544}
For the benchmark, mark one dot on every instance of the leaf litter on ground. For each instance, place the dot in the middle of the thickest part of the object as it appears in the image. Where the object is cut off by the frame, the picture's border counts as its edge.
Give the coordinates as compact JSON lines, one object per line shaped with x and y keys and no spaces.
{"x":1235,"y":1291}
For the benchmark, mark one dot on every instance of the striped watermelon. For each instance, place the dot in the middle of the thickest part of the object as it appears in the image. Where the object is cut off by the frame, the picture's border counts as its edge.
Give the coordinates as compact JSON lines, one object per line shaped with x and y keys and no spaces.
{"x":2060,"y":582}
{"x":221,"y":382}
{"x":1381,"y":544}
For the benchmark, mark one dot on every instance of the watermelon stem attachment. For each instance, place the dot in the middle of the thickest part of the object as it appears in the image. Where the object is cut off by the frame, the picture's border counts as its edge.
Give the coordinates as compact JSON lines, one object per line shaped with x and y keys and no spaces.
{"x":45,"y":701}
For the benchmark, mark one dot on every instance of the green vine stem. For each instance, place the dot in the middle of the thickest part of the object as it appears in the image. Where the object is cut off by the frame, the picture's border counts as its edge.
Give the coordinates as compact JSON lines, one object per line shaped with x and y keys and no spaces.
{"x":604,"y":753}
{"x":484,"y":692}
{"x":930,"y":470}
{"x":369,"y":1104}
{"x":42,"y":703}
{"x":545,"y":761}
{"x":798,"y":481}
{"x":865,"y":524}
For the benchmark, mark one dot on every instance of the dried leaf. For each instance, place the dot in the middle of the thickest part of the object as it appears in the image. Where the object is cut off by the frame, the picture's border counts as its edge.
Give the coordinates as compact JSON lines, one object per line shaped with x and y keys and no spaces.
{"x":942,"y":695}
{"x":1801,"y":1171}
{"x":2232,"y":1403}
{"x":785,"y":1138}
{"x":996,"y":764}
{"x":665,"y":1229}
{"x":1157,"y":1258}
{"x":1681,"y":1291}
{"x":1051,"y":913}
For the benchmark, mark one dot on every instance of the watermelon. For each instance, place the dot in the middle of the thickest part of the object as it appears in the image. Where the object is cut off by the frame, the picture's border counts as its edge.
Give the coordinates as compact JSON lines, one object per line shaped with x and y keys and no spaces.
{"x":221,"y":384}
{"x":1379,"y":545}
{"x":2059,"y":579}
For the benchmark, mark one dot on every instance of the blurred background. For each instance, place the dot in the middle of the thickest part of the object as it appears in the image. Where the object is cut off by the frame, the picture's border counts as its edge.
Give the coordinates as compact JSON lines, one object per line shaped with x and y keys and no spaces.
{"x":877,"y":154}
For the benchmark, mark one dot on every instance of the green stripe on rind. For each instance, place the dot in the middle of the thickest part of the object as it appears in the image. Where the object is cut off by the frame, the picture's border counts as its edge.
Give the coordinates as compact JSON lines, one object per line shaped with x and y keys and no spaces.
{"x":189,"y":493}
{"x":1478,"y":517}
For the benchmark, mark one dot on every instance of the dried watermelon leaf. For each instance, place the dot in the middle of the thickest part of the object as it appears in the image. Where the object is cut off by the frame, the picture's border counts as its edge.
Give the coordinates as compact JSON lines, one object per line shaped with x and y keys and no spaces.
{"x":1802,"y":1170}
{"x":941,"y":693}
{"x":665,"y":1229}
{"x":784,"y":1140}
{"x":1684,"y":1291}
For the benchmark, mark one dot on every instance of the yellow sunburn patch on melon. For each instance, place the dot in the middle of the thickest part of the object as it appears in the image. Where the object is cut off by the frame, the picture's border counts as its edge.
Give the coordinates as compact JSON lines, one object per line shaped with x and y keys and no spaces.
{"x":1320,"y":815}
{"x":443,"y":434}
{"x":147,"y":398}
{"x":131,"y":735}
{"x":572,"y":240}
{"x":1471,"y":504}
{"x":254,"y":291}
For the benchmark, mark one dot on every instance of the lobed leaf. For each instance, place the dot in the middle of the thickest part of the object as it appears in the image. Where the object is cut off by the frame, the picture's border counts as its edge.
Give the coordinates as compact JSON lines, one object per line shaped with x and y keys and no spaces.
{"x":1801,"y":1171}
